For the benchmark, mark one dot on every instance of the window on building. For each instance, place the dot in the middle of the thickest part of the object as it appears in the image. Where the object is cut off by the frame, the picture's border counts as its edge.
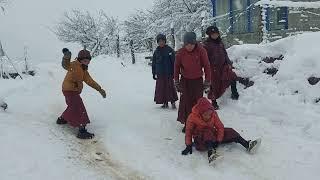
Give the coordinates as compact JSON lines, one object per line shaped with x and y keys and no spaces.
{"x":238,"y":18}
{"x":282,"y":16}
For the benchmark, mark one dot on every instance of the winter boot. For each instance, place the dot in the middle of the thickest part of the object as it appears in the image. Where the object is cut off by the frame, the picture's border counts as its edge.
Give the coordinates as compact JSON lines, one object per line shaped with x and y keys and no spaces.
{"x":254,"y":145}
{"x":84,"y":134}
{"x":234,"y":91}
{"x":184,"y":129}
{"x":212,"y":155}
{"x":61,"y":121}
{"x":173,"y":105}
{"x":165,"y":106}
{"x":215,"y":105}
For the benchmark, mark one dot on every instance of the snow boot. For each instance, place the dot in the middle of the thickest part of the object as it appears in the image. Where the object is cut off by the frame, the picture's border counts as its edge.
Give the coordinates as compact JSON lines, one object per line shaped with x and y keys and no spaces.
{"x":4,"y":106}
{"x":212,"y":155}
{"x":165,"y":106}
{"x":61,"y":121}
{"x":184,"y":129}
{"x":173,"y":105}
{"x":84,"y":134}
{"x":234,"y":91}
{"x":215,"y":105}
{"x":254,"y":145}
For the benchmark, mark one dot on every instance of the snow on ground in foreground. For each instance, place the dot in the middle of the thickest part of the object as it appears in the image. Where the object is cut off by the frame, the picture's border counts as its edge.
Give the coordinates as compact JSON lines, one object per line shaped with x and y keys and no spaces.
{"x":140,"y":140}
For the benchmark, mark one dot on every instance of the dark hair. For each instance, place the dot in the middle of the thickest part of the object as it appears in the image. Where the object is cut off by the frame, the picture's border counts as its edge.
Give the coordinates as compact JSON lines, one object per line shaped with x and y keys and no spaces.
{"x":161,"y":37}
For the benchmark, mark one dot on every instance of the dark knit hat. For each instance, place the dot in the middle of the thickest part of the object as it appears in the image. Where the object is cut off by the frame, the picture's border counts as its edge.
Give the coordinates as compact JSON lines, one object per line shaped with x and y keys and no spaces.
{"x":161,"y":37}
{"x":212,"y":29}
{"x":204,"y":105}
{"x":190,"y":38}
{"x":84,"y":54}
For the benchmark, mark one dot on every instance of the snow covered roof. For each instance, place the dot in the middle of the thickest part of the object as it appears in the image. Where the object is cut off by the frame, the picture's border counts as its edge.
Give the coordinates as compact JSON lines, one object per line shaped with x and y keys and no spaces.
{"x":292,"y":4}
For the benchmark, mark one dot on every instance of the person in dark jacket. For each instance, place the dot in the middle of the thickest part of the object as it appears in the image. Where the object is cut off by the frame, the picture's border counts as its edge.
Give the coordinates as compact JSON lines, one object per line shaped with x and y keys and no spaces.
{"x":191,"y":63}
{"x":162,"y":71}
{"x":221,"y":67}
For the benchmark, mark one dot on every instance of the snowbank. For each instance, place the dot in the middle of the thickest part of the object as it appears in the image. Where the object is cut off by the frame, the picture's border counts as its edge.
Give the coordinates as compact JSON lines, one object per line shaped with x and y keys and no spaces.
{"x":301,"y":61}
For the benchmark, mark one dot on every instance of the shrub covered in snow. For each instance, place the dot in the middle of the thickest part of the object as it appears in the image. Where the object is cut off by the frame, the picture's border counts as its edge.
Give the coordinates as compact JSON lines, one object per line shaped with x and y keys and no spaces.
{"x":97,"y":34}
{"x":300,"y":61}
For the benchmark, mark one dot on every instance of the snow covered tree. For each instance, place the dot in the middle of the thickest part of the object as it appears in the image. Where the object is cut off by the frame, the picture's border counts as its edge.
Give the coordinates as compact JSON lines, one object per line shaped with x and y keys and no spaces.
{"x":182,"y":15}
{"x":97,"y":34}
{"x":137,"y":29}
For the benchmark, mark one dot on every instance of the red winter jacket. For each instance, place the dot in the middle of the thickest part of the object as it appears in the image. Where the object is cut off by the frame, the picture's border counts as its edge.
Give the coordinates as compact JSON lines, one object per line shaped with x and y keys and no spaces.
{"x":196,"y":126}
{"x":190,"y":64}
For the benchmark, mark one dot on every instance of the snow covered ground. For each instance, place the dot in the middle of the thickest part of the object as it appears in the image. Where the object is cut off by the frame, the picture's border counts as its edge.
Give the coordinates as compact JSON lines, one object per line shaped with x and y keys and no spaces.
{"x":136,"y":139}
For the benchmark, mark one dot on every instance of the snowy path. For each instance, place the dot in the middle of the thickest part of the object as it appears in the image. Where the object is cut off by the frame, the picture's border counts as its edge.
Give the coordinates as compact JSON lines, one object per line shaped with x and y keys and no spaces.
{"x":34,"y":147}
{"x":136,"y":126}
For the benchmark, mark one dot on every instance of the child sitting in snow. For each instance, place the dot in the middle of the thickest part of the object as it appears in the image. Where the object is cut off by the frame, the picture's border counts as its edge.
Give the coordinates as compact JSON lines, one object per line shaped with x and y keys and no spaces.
{"x":205,"y":127}
{"x":76,"y":114}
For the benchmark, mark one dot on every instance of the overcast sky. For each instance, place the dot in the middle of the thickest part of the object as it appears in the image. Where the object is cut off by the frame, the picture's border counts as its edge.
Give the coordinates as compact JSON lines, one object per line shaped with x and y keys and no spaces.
{"x":26,"y":22}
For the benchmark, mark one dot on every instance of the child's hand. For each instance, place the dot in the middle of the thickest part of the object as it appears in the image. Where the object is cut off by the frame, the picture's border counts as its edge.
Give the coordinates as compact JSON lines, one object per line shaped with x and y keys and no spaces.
{"x":103,"y":93}
{"x":64,"y":50}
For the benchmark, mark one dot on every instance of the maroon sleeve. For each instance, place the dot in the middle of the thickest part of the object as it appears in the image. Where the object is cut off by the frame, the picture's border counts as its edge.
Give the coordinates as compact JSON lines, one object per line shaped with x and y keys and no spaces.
{"x":226,"y":56}
{"x":177,"y":66}
{"x":206,"y":47}
{"x":206,"y":64}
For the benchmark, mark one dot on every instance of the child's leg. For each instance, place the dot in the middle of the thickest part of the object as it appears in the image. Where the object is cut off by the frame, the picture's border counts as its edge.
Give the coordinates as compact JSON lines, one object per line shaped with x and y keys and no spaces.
{"x":84,"y":134}
{"x":230,"y":135}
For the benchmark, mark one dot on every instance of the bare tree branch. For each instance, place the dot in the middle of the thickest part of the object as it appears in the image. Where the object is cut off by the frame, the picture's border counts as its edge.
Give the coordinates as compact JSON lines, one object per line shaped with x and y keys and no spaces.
{"x":97,"y":34}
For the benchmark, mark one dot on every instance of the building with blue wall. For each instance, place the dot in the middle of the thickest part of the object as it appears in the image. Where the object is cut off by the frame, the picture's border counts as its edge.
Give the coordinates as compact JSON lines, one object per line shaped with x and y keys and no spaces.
{"x":249,"y":21}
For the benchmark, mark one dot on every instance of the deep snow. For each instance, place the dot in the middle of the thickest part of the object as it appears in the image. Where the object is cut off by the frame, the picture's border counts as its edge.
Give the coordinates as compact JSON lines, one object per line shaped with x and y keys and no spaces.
{"x":139,"y":140}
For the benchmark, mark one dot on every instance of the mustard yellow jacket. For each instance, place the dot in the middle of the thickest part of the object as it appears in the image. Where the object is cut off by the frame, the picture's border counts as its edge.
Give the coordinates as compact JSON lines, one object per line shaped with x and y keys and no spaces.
{"x":75,"y":76}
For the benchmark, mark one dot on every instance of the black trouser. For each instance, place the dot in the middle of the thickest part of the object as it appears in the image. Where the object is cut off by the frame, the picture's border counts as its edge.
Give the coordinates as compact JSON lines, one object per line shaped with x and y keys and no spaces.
{"x":234,"y":87}
{"x":238,"y":139}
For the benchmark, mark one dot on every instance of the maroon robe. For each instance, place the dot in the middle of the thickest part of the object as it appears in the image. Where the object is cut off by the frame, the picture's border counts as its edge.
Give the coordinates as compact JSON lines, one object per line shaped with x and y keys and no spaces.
{"x":165,"y":91}
{"x":75,"y":114}
{"x":221,"y":68}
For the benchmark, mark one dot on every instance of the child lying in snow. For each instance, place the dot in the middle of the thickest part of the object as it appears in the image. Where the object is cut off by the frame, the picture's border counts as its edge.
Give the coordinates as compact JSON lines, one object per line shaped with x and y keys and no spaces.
{"x":205,"y":127}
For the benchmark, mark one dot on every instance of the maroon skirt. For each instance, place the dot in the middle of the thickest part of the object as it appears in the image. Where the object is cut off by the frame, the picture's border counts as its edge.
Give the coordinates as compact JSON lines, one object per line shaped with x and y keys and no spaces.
{"x":221,"y":80}
{"x":191,"y":91}
{"x":230,"y":135}
{"x":165,"y":91}
{"x":75,"y":114}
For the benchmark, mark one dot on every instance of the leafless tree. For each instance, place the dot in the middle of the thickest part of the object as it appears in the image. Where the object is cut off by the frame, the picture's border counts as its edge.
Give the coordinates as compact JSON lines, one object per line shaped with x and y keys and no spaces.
{"x":97,"y":34}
